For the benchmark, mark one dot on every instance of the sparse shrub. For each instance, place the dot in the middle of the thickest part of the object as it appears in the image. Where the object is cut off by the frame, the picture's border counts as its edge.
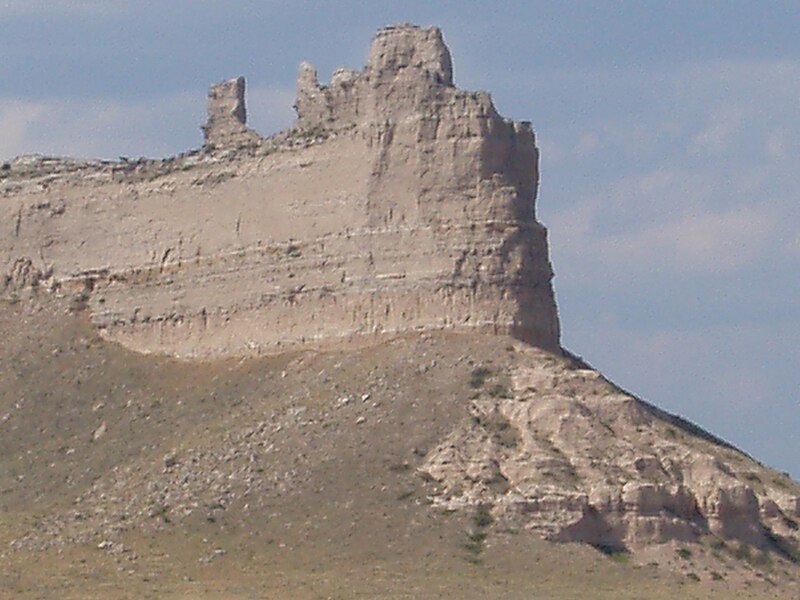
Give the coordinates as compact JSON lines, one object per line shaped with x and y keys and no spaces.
{"x":479,"y":376}
{"x":499,"y":391}
{"x":752,"y":477}
{"x":616,"y":552}
{"x":716,"y":576}
{"x":483,"y":516}
{"x":693,"y":577}
{"x":783,"y":546}
{"x":684,"y":553}
{"x":476,"y":535}
{"x":6,"y":167}
{"x":762,"y":559}
{"x":315,"y":133}
{"x":743,"y":552}
{"x":622,"y":557}
{"x":162,"y":513}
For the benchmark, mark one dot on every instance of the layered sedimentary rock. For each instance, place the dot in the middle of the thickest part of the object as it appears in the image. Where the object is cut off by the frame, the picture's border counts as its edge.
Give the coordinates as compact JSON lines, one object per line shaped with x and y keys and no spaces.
{"x":396,"y":202}
{"x":227,"y":115}
{"x":565,"y":454}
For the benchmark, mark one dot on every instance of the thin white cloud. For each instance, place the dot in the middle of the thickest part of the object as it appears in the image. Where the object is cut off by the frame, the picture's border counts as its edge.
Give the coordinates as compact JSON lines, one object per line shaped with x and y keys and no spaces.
{"x":691,"y":245}
{"x":107,"y":128}
{"x":16,"y":118}
{"x":98,"y":127}
{"x":710,"y":242}
{"x":11,"y":8}
{"x":269,"y":108}
{"x":725,"y":128}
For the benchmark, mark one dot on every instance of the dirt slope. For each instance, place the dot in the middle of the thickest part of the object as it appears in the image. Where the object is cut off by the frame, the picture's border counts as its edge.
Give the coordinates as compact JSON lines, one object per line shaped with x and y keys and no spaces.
{"x":300,"y":476}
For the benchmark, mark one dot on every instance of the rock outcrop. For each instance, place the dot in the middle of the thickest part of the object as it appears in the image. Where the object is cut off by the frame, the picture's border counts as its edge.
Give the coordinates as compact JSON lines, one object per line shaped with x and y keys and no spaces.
{"x":562,"y":452}
{"x":396,"y":202}
{"x":227,"y":116}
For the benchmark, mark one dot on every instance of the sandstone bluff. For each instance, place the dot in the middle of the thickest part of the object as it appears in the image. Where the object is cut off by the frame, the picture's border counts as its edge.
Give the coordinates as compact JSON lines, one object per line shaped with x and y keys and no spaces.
{"x":395,"y":204}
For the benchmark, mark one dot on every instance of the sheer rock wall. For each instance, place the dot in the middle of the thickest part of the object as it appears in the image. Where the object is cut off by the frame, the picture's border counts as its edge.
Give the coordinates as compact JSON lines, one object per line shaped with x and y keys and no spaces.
{"x":396,"y":202}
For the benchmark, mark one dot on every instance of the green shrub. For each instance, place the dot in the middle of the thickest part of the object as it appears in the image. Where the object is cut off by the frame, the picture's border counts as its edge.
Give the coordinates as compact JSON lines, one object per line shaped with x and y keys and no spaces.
{"x":743,"y":552}
{"x":499,"y":391}
{"x":479,"y":376}
{"x":483,"y":516}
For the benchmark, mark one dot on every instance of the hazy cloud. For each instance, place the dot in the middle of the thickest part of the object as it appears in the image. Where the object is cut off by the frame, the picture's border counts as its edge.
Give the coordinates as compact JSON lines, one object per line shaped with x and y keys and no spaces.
{"x":108,"y":127}
{"x":9,"y":8}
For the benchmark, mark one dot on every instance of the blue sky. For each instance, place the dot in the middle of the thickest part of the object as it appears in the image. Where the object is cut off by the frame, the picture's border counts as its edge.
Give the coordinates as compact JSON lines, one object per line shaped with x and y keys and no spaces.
{"x":670,"y":137}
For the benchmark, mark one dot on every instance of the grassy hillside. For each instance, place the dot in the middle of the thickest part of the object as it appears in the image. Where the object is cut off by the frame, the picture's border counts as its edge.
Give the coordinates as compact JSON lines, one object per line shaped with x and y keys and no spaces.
{"x":130,"y":476}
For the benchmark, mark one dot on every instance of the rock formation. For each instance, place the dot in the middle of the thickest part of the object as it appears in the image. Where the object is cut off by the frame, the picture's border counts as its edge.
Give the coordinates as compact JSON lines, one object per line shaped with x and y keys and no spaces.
{"x":396,"y":202}
{"x":564,"y":453}
{"x":227,"y":115}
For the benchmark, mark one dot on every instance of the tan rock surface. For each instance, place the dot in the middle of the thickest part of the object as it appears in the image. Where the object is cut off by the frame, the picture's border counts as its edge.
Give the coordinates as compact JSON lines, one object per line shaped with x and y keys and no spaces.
{"x":564,"y":453}
{"x":397,"y":202}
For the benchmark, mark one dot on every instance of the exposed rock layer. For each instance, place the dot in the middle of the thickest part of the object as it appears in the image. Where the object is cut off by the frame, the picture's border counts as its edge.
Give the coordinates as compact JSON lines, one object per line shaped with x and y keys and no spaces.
{"x":397,"y":202}
{"x":562,"y":452}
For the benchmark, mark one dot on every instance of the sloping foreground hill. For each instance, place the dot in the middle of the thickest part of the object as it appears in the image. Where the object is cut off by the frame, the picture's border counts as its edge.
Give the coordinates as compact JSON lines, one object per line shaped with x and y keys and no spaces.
{"x":417,"y":468}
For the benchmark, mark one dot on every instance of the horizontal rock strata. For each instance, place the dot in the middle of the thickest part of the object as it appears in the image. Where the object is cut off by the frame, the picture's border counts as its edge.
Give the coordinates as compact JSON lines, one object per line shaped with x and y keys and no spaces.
{"x":396,"y":202}
{"x":564,"y":453}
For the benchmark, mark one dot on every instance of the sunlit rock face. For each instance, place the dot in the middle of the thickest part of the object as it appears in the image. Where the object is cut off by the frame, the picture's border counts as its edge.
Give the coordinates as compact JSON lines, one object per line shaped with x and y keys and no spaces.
{"x":395,"y":202}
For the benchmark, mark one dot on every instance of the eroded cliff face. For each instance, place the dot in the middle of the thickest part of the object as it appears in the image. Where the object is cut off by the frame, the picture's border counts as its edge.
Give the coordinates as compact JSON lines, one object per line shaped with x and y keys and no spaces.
{"x":560,"y":451}
{"x":396,"y":202}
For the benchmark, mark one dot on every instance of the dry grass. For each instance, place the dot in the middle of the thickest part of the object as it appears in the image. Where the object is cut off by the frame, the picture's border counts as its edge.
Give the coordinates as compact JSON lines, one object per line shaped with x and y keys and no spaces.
{"x":354,"y":524}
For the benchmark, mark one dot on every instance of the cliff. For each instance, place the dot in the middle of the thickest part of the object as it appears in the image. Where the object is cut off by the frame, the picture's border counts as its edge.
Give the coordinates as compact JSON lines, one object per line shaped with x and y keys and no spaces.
{"x":396,"y":202}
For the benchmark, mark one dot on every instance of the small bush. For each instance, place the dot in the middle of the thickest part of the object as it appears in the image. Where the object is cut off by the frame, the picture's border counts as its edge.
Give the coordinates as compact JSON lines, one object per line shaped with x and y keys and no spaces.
{"x":784,"y":547}
{"x":743,"y":552}
{"x":684,"y":553}
{"x":499,"y":391}
{"x":479,"y":376}
{"x":483,"y":516}
{"x":718,"y":545}
{"x":616,"y":552}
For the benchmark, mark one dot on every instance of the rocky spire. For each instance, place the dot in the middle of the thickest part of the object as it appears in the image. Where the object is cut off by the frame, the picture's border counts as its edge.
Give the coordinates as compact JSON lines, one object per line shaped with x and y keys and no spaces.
{"x":398,"y":48}
{"x":227,"y":115}
{"x":402,"y":58}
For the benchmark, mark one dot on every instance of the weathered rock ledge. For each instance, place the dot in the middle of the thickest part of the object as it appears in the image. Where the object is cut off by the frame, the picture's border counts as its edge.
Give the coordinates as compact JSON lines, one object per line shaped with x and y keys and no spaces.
{"x":563,"y":453}
{"x":396,"y":202}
